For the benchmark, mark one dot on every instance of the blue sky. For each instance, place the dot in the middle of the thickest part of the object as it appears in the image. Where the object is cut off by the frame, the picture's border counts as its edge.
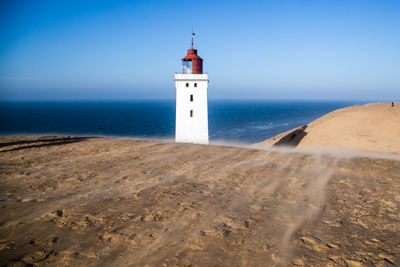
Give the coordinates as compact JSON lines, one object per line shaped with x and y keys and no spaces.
{"x":297,"y":49}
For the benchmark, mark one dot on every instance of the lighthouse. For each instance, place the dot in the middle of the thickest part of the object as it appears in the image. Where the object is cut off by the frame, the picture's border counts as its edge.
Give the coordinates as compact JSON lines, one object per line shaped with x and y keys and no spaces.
{"x":191,"y":122}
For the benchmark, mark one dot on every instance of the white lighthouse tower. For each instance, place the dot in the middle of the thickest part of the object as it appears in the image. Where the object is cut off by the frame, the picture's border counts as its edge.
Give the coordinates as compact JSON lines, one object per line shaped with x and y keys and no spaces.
{"x":191,"y":124}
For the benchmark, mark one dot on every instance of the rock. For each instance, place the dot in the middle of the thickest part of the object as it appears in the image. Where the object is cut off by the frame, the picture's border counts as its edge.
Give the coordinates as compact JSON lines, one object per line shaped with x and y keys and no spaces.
{"x":298,"y":262}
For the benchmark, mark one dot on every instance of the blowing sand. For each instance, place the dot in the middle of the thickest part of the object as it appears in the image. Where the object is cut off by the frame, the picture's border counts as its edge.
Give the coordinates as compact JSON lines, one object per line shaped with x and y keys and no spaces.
{"x":120,"y":202}
{"x":370,"y":128}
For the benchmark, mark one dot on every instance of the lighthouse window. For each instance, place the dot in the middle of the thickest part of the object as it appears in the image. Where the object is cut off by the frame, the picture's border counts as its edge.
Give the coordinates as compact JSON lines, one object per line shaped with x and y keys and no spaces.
{"x":195,"y":84}
{"x":186,"y":66}
{"x":191,"y":113}
{"x":191,"y":98}
{"x":187,"y":84}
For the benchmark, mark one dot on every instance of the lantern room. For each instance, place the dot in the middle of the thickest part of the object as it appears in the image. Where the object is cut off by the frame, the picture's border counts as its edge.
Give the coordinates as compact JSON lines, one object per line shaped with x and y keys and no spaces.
{"x":192,"y":63}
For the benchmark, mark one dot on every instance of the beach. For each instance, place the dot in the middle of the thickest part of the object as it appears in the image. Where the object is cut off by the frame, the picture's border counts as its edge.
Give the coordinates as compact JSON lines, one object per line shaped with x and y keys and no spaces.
{"x":263,"y":133}
{"x":113,"y":201}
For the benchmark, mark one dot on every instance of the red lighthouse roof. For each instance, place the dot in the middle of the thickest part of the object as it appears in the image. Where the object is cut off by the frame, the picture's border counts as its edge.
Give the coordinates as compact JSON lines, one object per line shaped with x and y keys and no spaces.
{"x":192,"y":63}
{"x":191,"y":54}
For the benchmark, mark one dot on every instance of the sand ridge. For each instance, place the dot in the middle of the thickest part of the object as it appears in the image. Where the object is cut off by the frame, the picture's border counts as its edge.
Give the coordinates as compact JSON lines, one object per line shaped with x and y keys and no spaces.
{"x":369,"y":128}
{"x":108,"y":201}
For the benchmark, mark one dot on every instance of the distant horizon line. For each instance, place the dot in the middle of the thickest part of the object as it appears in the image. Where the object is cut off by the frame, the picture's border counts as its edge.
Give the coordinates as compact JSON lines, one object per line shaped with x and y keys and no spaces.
{"x":210,"y":99}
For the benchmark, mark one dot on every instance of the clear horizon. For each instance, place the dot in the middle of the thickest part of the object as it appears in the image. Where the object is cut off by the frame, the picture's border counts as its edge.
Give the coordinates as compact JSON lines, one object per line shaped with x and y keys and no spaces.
{"x":114,"y":50}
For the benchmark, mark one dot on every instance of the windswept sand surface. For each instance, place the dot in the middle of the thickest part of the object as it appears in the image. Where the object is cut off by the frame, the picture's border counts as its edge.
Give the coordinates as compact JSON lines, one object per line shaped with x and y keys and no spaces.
{"x":120,"y":202}
{"x":370,"y":128}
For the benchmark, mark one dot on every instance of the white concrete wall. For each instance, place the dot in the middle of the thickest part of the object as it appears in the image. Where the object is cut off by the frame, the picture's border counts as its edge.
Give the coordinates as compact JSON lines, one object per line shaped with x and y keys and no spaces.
{"x":191,"y":129}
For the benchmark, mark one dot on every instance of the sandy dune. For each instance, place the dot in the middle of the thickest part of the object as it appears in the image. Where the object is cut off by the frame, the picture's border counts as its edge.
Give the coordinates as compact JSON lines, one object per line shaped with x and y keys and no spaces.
{"x":370,"y":128}
{"x":120,"y":202}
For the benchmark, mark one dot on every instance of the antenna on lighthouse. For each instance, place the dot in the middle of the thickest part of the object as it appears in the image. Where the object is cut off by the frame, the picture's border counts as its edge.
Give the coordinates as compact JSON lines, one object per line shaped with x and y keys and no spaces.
{"x":193,"y":34}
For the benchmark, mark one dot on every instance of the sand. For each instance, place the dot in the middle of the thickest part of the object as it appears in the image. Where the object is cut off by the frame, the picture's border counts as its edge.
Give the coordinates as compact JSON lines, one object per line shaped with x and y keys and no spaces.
{"x":120,"y":202}
{"x":373,"y":128}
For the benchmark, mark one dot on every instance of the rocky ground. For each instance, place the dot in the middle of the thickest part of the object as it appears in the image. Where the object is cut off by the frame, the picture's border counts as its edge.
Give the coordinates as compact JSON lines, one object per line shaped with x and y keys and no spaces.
{"x":103,"y":201}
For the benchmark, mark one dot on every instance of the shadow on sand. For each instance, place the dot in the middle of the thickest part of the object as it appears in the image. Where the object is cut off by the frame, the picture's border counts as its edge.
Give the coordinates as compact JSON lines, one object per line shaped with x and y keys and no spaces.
{"x":293,"y":138}
{"x":42,"y":142}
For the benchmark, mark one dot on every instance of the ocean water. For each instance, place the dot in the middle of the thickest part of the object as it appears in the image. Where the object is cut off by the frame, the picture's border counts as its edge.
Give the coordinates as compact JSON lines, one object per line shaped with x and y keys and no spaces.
{"x":231,"y":121}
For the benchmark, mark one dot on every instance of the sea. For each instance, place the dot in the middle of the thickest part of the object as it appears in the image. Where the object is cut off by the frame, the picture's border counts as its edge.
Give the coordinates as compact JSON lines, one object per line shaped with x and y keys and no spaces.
{"x":234,"y":121}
